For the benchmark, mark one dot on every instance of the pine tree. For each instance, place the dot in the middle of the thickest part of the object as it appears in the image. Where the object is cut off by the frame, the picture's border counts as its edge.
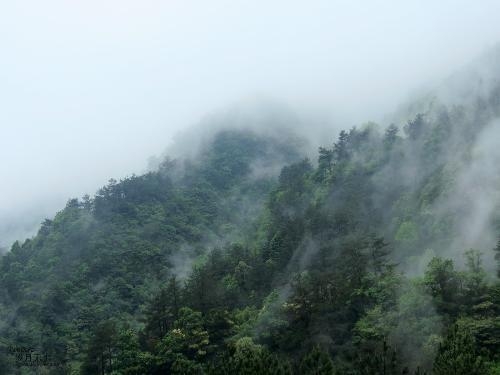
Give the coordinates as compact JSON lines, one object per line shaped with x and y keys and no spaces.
{"x":497,"y":257}
{"x":391,"y":135}
{"x":316,"y":362}
{"x":458,"y":355}
{"x":325,"y":164}
{"x":415,"y":127}
{"x":381,"y":362}
{"x":341,"y":147}
{"x":163,"y":309}
{"x":101,"y":349}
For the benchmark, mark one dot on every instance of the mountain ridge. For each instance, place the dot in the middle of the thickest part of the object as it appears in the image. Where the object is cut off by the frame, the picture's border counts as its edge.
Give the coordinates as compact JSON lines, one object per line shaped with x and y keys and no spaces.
{"x":221,"y":265}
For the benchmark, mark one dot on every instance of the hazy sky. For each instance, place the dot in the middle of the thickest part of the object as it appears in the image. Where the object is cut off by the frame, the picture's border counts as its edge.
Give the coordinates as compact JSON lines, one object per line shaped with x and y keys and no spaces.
{"x":90,"y":89}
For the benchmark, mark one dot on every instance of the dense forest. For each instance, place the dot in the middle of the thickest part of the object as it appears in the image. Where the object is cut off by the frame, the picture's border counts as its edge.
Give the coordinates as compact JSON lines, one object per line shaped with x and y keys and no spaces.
{"x":376,"y":256}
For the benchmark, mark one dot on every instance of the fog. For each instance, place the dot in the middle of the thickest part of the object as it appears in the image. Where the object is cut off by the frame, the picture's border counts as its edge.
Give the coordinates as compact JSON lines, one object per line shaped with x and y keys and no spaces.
{"x":90,"y":90}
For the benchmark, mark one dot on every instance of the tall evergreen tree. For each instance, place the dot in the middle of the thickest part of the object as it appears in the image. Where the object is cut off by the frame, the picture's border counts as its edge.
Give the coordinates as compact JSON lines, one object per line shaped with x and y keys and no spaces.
{"x":458,"y":355}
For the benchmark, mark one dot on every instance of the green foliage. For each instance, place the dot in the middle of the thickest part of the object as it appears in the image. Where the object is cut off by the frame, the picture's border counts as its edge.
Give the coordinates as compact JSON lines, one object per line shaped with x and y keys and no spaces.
{"x":458,"y":355}
{"x":210,"y":266}
{"x":250,"y":358}
{"x":188,"y":337}
{"x":316,"y":362}
{"x":101,"y":350}
{"x":442,"y":282}
{"x":497,"y":257}
{"x":407,"y":232}
{"x":383,"y":361}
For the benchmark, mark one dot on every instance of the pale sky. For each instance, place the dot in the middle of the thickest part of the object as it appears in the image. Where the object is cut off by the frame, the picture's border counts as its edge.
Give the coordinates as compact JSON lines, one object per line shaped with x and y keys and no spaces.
{"x":90,"y":89}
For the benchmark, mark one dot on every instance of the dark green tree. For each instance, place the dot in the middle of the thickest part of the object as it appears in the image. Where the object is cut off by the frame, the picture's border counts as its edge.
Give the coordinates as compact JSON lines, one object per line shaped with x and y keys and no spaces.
{"x":163,"y":309}
{"x":414,"y":128}
{"x":458,"y":355}
{"x":316,"y":362}
{"x":443,"y":283}
{"x":101,"y":351}
{"x":497,"y":257}
{"x":391,"y":136}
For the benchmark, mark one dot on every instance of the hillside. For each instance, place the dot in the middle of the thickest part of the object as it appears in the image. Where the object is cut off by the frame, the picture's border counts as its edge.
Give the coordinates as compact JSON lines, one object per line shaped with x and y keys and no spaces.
{"x":376,"y":258}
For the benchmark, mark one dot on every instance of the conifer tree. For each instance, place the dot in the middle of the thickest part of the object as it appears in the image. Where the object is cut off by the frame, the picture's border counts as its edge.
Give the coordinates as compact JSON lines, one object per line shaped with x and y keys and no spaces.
{"x":458,"y":355}
{"x":316,"y":362}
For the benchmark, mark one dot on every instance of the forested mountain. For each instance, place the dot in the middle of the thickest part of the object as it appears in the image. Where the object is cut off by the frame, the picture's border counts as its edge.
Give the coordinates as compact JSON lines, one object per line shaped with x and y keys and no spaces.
{"x":375,"y":257}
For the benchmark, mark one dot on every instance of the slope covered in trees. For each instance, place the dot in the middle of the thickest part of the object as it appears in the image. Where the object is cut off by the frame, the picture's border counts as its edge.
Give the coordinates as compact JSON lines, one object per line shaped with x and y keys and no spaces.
{"x":358,"y":262}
